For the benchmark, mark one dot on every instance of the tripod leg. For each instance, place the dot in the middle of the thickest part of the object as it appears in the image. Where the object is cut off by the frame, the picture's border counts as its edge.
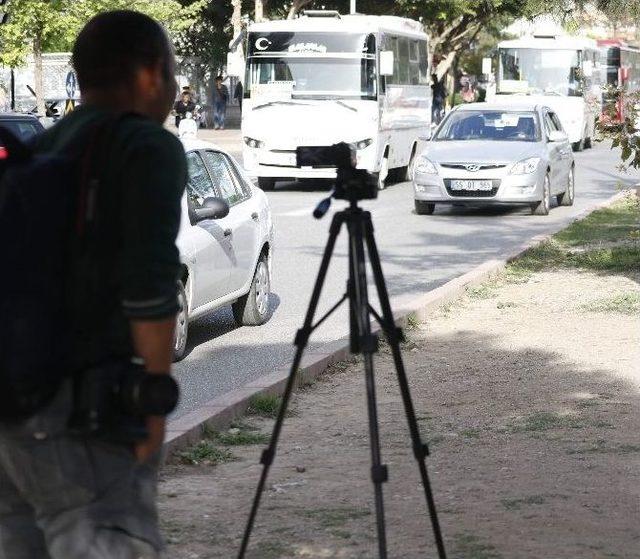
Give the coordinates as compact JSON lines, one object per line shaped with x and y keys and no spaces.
{"x":301,"y":341}
{"x":367,"y":343}
{"x":420,"y":449}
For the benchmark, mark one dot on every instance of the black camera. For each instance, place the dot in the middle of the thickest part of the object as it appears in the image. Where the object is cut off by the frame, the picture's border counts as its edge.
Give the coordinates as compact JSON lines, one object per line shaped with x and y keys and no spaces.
{"x":111,"y":401}
{"x":351,"y":184}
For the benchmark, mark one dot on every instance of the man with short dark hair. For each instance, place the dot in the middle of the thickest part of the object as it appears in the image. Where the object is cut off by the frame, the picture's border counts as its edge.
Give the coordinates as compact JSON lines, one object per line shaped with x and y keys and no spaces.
{"x":63,"y":493}
{"x":220,"y":100}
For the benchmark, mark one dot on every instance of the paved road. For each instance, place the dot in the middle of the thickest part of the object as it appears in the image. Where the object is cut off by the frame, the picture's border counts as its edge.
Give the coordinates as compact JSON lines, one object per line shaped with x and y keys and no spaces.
{"x":419,"y":253}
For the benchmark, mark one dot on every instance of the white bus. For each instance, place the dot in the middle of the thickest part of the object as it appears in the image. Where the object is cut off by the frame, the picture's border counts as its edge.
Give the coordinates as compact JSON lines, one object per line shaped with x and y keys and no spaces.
{"x":560,"y":72}
{"x":324,"y":78}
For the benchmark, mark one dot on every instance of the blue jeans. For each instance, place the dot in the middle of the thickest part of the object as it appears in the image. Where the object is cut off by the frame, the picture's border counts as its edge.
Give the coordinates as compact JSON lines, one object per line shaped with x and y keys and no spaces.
{"x":219,"y":112}
{"x":68,"y":497}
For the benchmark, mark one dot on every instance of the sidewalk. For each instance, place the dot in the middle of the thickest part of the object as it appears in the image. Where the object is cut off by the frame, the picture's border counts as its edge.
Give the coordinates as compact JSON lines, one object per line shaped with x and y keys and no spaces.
{"x":527,"y":390}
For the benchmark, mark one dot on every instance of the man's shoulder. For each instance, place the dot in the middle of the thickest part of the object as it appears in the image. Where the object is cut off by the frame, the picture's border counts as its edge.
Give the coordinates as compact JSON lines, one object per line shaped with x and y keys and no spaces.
{"x":141,"y":133}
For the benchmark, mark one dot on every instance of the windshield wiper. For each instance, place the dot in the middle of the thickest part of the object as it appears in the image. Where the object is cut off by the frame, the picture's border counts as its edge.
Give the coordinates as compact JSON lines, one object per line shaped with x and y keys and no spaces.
{"x":343,"y":104}
{"x":271,"y":103}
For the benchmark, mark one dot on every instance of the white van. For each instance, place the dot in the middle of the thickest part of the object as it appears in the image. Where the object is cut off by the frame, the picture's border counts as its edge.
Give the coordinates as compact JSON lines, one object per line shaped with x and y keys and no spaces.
{"x":324,"y":78}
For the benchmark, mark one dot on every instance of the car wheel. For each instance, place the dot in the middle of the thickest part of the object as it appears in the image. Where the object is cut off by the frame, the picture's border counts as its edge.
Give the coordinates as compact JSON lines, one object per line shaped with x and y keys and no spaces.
{"x":253,"y":308}
{"x":542,"y":207}
{"x":588,"y":143}
{"x":383,"y":173}
{"x":567,"y":197}
{"x":424,"y":208}
{"x":266,"y":184}
{"x":182,"y":325}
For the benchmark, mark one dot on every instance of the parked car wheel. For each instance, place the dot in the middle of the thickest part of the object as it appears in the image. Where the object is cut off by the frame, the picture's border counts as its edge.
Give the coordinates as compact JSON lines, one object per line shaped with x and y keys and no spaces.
{"x":182,"y":325}
{"x":266,"y":184}
{"x":567,"y":197}
{"x":424,"y":208}
{"x":253,"y":308}
{"x":542,"y":207}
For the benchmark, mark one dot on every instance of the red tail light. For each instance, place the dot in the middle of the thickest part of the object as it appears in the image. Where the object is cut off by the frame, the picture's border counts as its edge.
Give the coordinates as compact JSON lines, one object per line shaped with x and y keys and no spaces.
{"x":3,"y":152}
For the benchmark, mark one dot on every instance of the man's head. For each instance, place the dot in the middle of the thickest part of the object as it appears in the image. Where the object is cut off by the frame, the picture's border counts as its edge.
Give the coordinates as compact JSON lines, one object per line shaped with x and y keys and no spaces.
{"x":218,"y":81}
{"x":434,"y":78}
{"x":186,"y":97}
{"x":124,"y":61}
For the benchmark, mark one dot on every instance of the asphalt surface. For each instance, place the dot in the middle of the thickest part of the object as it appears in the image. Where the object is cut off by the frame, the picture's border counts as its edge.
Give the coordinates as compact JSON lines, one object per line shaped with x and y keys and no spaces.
{"x":418,"y":253}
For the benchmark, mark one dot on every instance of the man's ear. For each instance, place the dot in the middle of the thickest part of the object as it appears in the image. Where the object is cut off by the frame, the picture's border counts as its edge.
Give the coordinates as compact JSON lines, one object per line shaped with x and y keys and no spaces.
{"x":149,"y":80}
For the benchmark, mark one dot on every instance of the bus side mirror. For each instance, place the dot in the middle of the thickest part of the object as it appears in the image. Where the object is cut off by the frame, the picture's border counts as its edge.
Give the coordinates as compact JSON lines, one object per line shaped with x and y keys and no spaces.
{"x":386,"y":63}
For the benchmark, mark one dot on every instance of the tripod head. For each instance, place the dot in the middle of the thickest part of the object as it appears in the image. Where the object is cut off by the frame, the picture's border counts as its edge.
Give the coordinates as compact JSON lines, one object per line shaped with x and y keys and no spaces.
{"x":351,"y":184}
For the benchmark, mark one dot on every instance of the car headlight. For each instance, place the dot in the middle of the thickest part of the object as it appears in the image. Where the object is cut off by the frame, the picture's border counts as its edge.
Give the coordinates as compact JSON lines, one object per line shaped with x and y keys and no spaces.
{"x":364,"y":143}
{"x":525,"y":167}
{"x":426,"y":167}
{"x":253,"y":143}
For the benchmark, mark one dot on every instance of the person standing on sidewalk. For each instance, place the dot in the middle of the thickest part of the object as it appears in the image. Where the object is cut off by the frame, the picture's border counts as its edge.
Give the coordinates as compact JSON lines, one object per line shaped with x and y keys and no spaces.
{"x":65,"y":494}
{"x":220,"y":100}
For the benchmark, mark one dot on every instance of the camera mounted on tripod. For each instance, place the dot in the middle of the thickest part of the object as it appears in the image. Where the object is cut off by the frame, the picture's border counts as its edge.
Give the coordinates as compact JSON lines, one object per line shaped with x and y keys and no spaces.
{"x":351,"y":184}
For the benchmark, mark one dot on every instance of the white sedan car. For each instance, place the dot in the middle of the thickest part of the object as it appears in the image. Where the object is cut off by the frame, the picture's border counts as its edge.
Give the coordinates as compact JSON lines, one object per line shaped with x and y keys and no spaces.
{"x":225,"y":242}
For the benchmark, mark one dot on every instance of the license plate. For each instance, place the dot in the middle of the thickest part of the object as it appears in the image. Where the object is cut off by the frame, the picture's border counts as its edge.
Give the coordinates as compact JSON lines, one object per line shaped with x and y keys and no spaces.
{"x":471,"y":185}
{"x":284,"y":159}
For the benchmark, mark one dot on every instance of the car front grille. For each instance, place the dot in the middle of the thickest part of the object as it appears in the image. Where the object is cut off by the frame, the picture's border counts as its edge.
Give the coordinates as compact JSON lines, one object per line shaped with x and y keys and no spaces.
{"x":472,"y":193}
{"x":480,"y":166}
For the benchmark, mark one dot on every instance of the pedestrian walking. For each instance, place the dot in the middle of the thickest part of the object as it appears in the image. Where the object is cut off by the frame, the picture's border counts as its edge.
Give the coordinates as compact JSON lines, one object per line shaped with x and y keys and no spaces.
{"x":238,"y":94}
{"x":74,"y":490}
{"x":220,"y":100}
{"x":439,"y":97}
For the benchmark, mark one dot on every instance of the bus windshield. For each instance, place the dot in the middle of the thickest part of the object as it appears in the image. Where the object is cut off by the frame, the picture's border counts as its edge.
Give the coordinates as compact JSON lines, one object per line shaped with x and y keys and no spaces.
{"x":323,"y":77}
{"x":540,"y":71}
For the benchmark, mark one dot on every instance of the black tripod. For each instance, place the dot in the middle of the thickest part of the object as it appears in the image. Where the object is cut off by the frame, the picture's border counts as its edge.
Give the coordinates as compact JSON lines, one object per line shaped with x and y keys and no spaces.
{"x":360,"y":229}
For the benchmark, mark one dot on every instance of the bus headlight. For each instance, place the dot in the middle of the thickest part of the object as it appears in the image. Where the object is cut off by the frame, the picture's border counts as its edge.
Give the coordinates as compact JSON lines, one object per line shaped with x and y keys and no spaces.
{"x":525,"y":167}
{"x":426,"y":167}
{"x":253,"y":143}
{"x":363,"y":143}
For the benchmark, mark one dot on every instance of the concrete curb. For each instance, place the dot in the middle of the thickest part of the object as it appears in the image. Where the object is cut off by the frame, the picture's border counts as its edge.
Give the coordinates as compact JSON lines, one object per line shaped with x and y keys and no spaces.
{"x":219,"y":412}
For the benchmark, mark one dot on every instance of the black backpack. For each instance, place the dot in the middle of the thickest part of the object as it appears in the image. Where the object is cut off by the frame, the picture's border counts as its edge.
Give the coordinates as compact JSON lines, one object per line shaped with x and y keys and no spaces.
{"x":45,"y":208}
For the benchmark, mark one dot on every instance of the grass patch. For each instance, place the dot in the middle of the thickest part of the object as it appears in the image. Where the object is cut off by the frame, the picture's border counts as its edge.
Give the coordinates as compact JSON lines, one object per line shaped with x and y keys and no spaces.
{"x":506,"y":305}
{"x":517,"y":504}
{"x":264,"y":405}
{"x":618,"y":223}
{"x":605,"y":225}
{"x":335,"y":517}
{"x":469,"y":546}
{"x":600,"y":447}
{"x":235,"y":437}
{"x":545,"y":421}
{"x":412,"y":322}
{"x":470,"y":433}
{"x":206,"y":453}
{"x":272,"y":550}
{"x":483,"y":291}
{"x":623,"y":303}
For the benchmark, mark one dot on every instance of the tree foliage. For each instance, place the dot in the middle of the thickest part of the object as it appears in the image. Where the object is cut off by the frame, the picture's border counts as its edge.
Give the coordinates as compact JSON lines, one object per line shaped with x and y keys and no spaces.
{"x":55,"y":23}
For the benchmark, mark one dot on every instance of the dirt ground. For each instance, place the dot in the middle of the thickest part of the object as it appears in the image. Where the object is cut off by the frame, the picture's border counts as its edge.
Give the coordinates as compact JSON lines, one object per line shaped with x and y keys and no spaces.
{"x":529,"y":394}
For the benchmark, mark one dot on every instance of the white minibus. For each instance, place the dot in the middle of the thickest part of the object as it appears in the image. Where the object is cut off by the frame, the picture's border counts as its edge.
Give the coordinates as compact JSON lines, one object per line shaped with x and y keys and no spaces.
{"x":324,"y":78}
{"x":561,"y":72}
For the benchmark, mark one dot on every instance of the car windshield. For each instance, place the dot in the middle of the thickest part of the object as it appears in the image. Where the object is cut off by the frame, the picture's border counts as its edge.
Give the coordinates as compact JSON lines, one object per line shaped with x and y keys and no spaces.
{"x":489,"y":125}
{"x":546,"y":71}
{"x":22,"y":129}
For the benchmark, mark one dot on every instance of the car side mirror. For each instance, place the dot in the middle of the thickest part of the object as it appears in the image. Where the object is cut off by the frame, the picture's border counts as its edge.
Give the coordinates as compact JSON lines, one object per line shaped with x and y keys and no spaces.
{"x":556,"y":136}
{"x":212,"y":208}
{"x":386,"y":63}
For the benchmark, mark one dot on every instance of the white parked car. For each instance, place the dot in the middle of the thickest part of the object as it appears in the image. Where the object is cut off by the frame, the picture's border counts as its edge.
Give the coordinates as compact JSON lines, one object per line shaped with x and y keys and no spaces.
{"x":225,"y":242}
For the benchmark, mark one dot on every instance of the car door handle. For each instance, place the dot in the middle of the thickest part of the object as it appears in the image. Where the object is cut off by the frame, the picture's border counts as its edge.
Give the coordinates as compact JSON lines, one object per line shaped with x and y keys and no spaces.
{"x":227,"y":232}
{"x":255,"y":216}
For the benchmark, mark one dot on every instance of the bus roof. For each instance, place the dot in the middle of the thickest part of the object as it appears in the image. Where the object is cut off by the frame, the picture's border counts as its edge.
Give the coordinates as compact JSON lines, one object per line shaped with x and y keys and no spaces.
{"x":563,"y":42}
{"x":346,"y":24}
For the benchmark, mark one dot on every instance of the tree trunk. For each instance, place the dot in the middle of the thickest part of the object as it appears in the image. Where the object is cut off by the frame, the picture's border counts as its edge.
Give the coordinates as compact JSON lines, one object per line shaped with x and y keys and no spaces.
{"x":38,"y":76}
{"x":236,"y":17}
{"x":260,"y":10}
{"x":296,"y":6}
